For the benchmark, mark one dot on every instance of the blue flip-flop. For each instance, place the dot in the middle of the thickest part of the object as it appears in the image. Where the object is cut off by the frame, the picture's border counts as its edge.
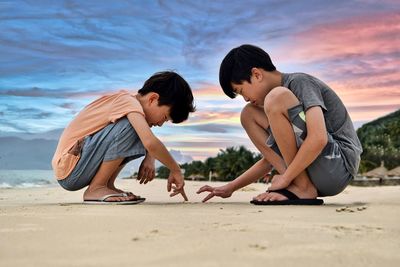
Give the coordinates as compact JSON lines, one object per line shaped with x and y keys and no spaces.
{"x":292,"y":199}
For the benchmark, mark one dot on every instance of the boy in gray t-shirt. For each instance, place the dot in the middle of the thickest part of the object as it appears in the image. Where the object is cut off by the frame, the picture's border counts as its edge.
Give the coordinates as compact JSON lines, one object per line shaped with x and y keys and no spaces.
{"x":298,"y":123}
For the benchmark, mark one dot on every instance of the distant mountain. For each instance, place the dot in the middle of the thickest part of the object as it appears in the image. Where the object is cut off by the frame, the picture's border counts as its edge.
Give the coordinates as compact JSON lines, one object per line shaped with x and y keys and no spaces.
{"x":19,"y":154}
{"x":36,"y":154}
{"x":380,"y":139}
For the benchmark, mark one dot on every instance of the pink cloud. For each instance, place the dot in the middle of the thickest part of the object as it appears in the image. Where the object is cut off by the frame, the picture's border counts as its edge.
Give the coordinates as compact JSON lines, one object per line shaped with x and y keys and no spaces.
{"x":207,"y":116}
{"x":360,"y":36}
{"x":206,"y":90}
{"x":359,"y":58}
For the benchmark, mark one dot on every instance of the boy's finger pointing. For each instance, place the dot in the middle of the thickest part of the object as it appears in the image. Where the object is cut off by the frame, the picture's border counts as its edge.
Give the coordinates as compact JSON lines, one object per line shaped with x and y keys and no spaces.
{"x":169,"y":184}
{"x":184,"y":195}
{"x":208,"y":197}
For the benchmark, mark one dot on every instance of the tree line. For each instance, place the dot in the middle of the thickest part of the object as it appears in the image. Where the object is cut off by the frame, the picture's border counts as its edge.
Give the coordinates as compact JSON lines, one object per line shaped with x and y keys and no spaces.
{"x":380,"y":140}
{"x":226,"y":166}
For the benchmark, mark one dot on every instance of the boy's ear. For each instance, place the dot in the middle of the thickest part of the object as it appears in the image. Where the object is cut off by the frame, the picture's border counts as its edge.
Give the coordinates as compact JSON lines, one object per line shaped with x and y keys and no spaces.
{"x":153,"y":97}
{"x":257,"y":74}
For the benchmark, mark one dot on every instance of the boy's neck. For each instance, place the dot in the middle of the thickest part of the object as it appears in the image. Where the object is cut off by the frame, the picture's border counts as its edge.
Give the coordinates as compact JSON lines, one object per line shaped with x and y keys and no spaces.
{"x":272,"y":79}
{"x":141,"y":99}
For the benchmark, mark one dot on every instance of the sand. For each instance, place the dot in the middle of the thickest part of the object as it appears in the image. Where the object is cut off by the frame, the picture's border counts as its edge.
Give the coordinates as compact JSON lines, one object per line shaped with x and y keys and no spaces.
{"x":50,"y":227}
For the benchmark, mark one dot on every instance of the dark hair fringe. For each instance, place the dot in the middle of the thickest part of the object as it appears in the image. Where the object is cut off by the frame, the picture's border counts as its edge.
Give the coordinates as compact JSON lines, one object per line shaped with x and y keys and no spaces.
{"x":237,"y":64}
{"x":174,"y":92}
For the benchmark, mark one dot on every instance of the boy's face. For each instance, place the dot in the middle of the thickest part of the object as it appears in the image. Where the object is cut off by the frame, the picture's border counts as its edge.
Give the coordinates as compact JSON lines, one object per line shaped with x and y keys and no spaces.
{"x":253,"y":91}
{"x":246,"y":90}
{"x":156,"y":115}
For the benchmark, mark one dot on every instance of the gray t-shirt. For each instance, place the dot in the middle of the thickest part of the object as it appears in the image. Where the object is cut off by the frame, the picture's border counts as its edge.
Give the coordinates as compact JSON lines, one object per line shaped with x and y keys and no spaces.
{"x":312,"y":92}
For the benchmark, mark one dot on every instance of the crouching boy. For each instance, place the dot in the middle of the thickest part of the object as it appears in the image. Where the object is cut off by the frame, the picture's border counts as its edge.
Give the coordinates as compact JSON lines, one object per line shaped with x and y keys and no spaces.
{"x":115,"y":129}
{"x":299,"y":125}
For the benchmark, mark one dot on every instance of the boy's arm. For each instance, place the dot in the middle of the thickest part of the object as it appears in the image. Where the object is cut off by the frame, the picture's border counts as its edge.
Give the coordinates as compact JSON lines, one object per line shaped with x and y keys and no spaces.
{"x":312,"y":146}
{"x":255,"y":172}
{"x":147,"y":169}
{"x":258,"y":170}
{"x":157,"y":149}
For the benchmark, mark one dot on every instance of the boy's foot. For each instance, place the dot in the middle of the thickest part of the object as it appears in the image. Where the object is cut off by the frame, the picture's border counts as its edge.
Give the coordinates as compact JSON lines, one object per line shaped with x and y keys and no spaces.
{"x":122,"y":191}
{"x":99,"y":192}
{"x":303,"y":193}
{"x":292,"y":199}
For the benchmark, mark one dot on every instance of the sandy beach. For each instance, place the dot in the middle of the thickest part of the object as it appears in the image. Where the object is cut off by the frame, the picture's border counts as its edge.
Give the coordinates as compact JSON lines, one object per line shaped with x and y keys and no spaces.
{"x":50,"y":227}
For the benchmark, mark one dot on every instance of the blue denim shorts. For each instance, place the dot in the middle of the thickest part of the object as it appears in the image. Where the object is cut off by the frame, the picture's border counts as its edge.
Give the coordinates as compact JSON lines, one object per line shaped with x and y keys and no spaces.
{"x":327,"y":172}
{"x":116,"y":140}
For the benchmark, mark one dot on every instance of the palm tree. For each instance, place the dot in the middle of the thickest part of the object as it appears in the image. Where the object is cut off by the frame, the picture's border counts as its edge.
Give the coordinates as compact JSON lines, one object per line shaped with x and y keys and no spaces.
{"x":232,"y":162}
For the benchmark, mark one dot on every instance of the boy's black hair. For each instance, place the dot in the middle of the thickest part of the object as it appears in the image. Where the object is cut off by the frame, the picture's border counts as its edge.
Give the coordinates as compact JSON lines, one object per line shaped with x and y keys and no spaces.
{"x":237,"y":64}
{"x":174,"y":92}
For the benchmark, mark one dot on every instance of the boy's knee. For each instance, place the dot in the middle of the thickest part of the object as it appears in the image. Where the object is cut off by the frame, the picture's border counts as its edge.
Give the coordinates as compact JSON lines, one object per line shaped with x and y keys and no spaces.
{"x":70,"y":186}
{"x":246,"y":114}
{"x":279,"y":99}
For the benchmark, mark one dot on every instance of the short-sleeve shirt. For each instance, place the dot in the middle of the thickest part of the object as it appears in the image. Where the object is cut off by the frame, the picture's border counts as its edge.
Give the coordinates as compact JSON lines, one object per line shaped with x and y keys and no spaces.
{"x":94,"y":117}
{"x":312,"y":92}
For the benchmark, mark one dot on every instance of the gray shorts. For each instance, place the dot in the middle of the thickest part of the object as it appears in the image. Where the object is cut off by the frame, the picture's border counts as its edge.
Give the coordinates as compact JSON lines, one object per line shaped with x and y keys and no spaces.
{"x":328,"y":172}
{"x":116,"y":140}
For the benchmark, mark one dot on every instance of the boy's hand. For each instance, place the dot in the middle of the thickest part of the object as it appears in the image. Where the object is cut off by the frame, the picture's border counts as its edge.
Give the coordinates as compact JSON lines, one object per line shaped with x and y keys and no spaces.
{"x":222,"y":191}
{"x":147,"y":170}
{"x":176,"y":182}
{"x":279,"y":182}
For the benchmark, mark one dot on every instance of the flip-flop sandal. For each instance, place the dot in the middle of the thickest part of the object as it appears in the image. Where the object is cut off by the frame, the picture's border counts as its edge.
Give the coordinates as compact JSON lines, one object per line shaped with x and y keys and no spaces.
{"x":292,"y":199}
{"x":103,"y":200}
{"x":128,"y":193}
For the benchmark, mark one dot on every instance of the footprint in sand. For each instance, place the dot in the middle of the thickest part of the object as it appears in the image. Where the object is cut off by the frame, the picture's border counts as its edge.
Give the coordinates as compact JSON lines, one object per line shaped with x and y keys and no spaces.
{"x":358,"y":230}
{"x":258,"y":247}
{"x":347,"y":209}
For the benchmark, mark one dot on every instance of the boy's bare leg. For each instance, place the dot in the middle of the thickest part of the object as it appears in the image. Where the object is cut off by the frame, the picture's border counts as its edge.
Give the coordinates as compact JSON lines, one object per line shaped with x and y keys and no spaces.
{"x":277,"y":102}
{"x":99,"y":185}
{"x":111,"y":182}
{"x":255,"y":122}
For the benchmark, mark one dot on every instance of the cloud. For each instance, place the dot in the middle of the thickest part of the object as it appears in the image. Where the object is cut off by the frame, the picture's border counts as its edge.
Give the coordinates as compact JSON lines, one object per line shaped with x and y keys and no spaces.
{"x":180,"y":157}
{"x":57,"y":56}
{"x":363,"y":48}
{"x":384,"y":108}
{"x":51,"y":93}
{"x":213,"y":128}
{"x":31,"y":113}
{"x":213,"y":116}
{"x":357,"y":56}
{"x":67,"y":106}
{"x":208,"y":90}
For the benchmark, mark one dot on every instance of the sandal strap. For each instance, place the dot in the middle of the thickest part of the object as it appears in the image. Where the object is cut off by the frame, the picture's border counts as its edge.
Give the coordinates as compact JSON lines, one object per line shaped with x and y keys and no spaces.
{"x":113,"y":195}
{"x":286,"y":193}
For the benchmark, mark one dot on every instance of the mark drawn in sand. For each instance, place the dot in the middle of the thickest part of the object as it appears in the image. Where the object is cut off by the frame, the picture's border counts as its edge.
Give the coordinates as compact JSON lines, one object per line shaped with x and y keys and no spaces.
{"x":151,"y":234}
{"x":340,"y":230}
{"x":248,"y":189}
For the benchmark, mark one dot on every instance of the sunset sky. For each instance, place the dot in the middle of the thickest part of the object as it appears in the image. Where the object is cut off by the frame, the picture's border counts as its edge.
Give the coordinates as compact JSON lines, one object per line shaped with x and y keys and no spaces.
{"x":58,"y":56}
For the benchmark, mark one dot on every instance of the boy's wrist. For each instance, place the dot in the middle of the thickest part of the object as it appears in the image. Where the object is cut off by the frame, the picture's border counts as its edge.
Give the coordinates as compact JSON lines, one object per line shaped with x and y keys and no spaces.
{"x":149,"y":157}
{"x":231,"y":186}
{"x":176,"y":170}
